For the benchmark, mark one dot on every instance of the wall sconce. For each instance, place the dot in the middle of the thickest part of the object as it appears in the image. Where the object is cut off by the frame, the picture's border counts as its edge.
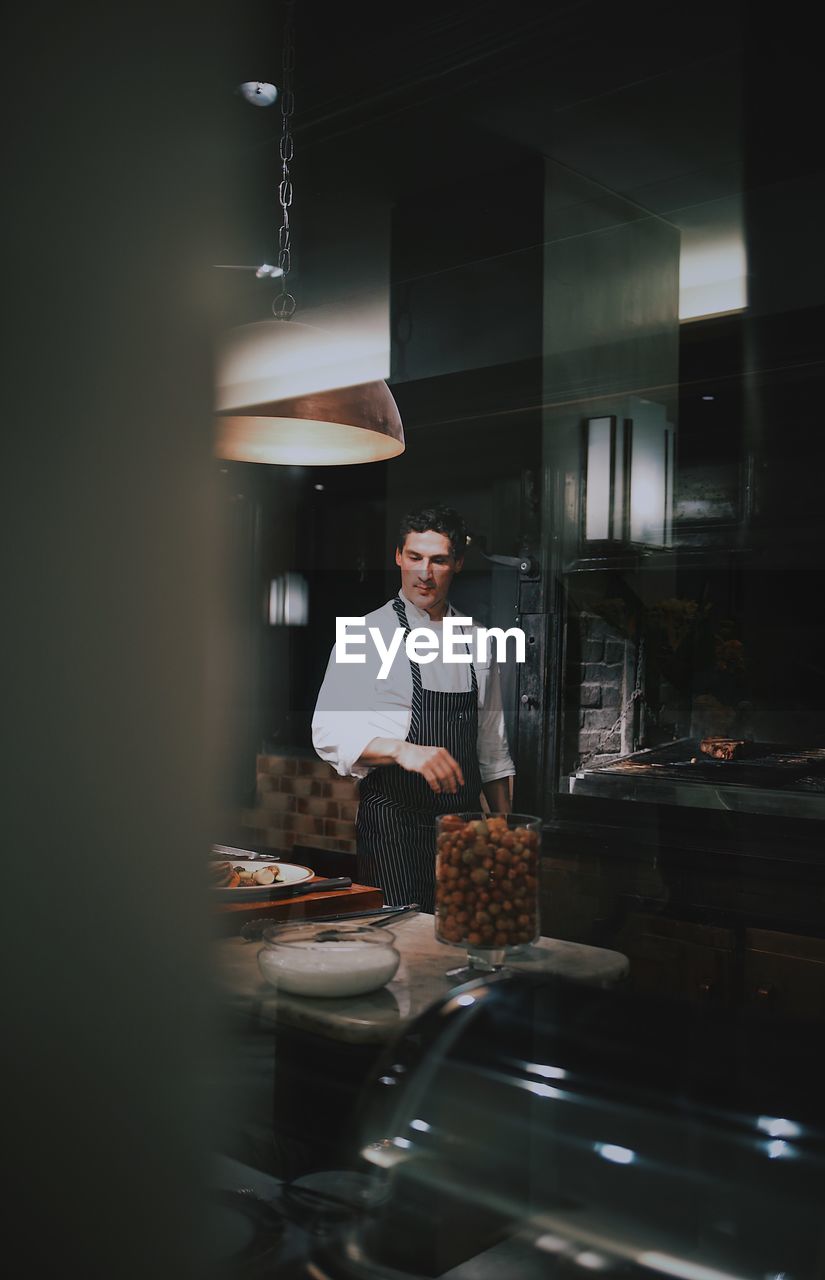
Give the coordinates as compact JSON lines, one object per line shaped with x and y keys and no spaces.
{"x":289,"y":601}
{"x":627,"y":478}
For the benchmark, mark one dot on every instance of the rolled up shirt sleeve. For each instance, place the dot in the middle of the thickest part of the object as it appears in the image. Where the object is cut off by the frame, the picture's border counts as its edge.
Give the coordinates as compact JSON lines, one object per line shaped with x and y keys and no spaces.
{"x":494,"y":759}
{"x":354,"y":707}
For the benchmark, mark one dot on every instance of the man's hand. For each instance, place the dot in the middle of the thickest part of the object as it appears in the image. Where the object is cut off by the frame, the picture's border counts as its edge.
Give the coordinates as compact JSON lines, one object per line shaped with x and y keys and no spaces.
{"x":435,"y":764}
{"x":442,"y":772}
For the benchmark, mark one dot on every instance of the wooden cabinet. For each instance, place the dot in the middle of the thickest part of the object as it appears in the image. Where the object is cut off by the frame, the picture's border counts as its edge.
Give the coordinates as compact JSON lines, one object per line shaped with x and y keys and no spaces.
{"x":780,"y":973}
{"x":785,"y":973}
{"x":679,"y":958}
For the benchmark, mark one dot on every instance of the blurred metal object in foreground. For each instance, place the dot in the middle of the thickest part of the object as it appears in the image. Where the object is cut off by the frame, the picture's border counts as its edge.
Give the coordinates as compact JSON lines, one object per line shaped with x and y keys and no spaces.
{"x":538,"y":1128}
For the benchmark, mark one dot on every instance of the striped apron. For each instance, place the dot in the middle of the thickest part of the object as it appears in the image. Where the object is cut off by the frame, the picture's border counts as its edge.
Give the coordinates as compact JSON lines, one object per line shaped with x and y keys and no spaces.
{"x":397,"y":811}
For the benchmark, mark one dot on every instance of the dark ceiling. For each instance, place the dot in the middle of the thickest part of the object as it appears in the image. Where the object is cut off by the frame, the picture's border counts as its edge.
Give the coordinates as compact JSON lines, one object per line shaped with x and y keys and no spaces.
{"x":365,"y":65}
{"x":394,"y":99}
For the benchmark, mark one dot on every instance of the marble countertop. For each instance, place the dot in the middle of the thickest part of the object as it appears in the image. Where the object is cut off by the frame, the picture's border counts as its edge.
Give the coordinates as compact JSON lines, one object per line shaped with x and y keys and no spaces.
{"x":420,"y":981}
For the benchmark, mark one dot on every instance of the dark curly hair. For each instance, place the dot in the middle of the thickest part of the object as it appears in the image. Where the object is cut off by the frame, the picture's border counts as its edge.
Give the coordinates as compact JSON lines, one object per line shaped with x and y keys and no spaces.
{"x":439,"y":519}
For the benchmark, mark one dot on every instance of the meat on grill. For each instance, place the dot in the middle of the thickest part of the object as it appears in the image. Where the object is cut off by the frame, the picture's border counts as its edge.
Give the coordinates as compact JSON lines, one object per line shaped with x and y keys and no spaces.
{"x":726,"y":748}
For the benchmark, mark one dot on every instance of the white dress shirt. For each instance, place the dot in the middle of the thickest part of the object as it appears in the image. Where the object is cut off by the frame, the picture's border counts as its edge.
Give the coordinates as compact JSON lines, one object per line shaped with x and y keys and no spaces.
{"x":354,"y":706}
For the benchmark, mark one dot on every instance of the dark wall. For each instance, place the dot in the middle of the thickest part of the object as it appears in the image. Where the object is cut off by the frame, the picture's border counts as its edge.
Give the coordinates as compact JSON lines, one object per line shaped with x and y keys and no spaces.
{"x":114,"y":626}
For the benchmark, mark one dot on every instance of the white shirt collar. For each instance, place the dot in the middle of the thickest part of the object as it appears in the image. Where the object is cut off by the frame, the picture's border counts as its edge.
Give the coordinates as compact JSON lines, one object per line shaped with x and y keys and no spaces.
{"x":419,"y":617}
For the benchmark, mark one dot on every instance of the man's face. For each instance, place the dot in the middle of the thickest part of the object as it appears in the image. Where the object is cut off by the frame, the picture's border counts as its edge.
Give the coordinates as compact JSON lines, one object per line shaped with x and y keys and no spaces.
{"x":428,"y":566}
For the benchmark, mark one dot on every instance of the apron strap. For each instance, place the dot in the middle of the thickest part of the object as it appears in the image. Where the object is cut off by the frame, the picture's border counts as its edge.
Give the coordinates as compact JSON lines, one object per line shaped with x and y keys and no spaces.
{"x":401,"y":614}
{"x":414,"y":731}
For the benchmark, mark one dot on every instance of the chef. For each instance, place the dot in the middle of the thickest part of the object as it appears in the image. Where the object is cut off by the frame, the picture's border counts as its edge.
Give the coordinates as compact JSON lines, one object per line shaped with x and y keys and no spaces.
{"x":429,"y":736}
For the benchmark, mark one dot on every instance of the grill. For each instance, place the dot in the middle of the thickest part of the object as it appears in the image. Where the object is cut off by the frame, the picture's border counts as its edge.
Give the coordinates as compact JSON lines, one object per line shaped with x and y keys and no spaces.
{"x":774,"y":778}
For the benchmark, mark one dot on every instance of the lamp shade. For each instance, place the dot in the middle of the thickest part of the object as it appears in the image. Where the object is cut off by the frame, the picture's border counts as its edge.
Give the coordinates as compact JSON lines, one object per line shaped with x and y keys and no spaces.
{"x":286,"y":394}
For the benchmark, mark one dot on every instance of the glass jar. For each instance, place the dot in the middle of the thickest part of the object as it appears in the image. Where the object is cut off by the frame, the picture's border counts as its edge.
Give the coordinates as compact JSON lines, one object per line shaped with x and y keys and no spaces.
{"x":487,"y":883}
{"x":323,"y":960}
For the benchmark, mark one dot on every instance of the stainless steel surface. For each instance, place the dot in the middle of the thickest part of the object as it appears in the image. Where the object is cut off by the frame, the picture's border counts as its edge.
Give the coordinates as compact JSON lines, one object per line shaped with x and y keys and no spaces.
{"x":678,"y":774}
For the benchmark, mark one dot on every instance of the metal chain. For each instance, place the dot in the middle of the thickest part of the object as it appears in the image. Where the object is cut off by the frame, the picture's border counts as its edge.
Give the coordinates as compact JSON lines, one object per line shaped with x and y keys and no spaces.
{"x":284,"y":305}
{"x":637,"y":695}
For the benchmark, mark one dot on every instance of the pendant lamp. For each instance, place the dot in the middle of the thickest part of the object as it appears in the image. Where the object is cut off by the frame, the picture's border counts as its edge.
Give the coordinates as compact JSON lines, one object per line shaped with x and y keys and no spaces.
{"x":285,"y":391}
{"x":281,"y":398}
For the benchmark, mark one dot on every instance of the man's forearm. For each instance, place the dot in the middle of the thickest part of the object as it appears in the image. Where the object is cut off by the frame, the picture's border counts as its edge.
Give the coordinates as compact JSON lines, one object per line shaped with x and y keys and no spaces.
{"x":435,"y":764}
{"x":380,"y":751}
{"x":497,"y":794}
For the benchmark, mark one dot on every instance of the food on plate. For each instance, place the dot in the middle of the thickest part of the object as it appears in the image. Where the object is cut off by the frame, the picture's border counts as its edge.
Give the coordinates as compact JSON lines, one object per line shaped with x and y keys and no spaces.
{"x":486,"y":882}
{"x":224,"y":875}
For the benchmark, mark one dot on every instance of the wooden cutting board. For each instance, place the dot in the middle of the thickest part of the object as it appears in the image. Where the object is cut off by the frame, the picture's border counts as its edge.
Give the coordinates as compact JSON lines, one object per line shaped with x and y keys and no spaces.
{"x":360,"y":897}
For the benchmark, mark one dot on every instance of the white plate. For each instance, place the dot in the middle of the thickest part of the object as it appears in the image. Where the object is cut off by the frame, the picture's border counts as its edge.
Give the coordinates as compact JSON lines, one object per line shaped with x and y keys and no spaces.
{"x":289,"y":873}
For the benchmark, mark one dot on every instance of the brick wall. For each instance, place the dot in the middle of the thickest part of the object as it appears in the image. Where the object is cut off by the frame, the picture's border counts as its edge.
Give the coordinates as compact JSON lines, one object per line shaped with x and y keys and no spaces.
{"x":301,"y":800}
{"x":606,"y":679}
